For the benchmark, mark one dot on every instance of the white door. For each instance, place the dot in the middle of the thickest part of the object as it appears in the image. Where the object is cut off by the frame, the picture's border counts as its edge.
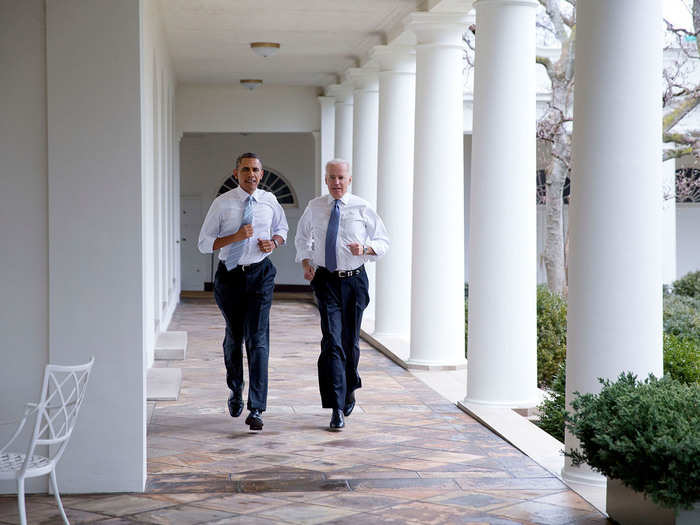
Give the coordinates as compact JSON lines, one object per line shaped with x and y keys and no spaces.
{"x":194,"y":265}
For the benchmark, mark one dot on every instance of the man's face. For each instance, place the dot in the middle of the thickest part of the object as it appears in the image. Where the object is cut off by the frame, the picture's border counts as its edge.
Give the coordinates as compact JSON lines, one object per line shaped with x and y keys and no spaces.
{"x":248,"y":174}
{"x":337,"y":180}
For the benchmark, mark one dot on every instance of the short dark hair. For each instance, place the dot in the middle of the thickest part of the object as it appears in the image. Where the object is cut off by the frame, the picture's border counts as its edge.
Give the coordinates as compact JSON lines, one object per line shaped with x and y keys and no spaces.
{"x":248,"y":155}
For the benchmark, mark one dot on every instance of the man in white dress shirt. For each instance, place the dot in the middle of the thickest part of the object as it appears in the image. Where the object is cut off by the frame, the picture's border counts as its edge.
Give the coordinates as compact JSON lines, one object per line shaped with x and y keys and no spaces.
{"x":245,"y":224}
{"x":336,"y":235}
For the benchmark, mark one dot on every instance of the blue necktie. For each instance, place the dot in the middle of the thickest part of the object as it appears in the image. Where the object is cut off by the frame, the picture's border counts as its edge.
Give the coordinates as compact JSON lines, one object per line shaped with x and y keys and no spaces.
{"x":234,"y":255}
{"x":332,"y":237}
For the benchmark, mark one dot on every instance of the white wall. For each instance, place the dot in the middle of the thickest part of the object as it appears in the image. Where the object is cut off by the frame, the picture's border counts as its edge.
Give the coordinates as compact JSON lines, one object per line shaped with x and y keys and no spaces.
{"x":95,"y":232}
{"x":160,"y":180}
{"x":23,"y":214}
{"x":207,"y":160}
{"x":214,"y":108}
{"x":687,"y":238}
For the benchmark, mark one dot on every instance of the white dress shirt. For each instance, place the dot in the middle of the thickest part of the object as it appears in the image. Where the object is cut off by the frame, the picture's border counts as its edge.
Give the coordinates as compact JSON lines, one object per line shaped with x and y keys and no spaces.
{"x":359,"y":223}
{"x":224,"y":218}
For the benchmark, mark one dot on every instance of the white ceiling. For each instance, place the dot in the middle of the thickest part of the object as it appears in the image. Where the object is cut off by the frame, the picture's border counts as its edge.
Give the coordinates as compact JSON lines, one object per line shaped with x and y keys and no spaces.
{"x":209,"y":40}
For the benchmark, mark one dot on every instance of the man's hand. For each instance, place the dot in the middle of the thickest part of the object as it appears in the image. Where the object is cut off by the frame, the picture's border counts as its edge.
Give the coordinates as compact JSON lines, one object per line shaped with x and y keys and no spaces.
{"x":356,"y":248}
{"x":266,"y":245}
{"x":309,"y":270}
{"x":244,"y":232}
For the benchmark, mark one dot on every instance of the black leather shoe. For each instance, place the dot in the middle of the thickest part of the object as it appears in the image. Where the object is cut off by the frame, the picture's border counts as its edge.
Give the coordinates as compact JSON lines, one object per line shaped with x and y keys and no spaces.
{"x":235,"y":404}
{"x":254,"y":420}
{"x":349,"y":404}
{"x":337,"y":420}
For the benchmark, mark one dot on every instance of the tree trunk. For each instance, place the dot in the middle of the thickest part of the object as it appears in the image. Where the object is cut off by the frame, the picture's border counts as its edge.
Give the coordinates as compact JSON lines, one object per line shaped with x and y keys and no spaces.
{"x":554,"y":227}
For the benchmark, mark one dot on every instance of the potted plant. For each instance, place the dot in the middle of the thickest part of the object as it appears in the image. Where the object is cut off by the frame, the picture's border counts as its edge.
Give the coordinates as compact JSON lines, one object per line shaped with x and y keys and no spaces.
{"x":645,"y":437}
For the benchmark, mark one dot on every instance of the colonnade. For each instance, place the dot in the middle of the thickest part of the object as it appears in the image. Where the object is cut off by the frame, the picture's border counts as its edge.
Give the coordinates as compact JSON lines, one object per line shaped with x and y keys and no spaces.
{"x":399,"y":118}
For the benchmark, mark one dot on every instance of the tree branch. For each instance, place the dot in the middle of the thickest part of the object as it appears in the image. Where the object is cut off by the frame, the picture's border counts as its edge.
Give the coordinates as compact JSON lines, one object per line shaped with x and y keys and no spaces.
{"x":677,"y":114}
{"x":677,"y":153}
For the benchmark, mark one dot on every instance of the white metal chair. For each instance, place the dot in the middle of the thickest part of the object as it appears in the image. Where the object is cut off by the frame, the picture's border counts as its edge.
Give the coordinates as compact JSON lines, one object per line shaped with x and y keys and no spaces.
{"x":62,"y":394}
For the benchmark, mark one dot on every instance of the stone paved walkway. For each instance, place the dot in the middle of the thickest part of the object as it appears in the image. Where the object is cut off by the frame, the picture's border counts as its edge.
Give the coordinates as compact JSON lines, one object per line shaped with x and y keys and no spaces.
{"x":406,"y":456}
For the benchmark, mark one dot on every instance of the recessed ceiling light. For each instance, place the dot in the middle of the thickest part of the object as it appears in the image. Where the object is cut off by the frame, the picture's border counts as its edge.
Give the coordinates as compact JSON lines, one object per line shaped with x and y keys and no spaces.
{"x":265,"y":49}
{"x":251,"y":83}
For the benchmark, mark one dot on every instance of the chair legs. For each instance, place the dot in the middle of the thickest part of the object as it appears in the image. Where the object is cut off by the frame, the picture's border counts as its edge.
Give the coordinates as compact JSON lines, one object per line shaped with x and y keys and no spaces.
{"x":20,"y":502}
{"x":56,"y":495}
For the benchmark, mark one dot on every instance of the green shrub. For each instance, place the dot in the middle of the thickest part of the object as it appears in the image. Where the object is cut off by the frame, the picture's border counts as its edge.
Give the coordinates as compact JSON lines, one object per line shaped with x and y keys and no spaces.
{"x":551,"y":335}
{"x":646,"y":434}
{"x":682,"y":316}
{"x":688,"y":285}
{"x":682,"y":358}
{"x":553,"y":409}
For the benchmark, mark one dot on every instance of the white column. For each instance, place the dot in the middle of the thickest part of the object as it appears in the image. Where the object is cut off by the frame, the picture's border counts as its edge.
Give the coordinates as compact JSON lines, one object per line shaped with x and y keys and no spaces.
{"x":397,"y":96}
{"x":364,"y":133}
{"x":437,"y":296}
{"x":503,"y":215}
{"x":343,"y":120}
{"x":364,"y":151}
{"x":669,"y":221}
{"x":615,"y":261}
{"x":95,"y":262}
{"x":327,"y":139}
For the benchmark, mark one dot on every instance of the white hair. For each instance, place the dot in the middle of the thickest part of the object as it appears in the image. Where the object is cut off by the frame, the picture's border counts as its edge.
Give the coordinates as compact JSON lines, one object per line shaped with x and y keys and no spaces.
{"x":337,"y":162}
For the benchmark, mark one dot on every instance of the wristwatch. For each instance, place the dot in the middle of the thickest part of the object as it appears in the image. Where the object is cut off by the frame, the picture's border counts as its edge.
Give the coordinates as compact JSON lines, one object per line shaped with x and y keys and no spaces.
{"x":276,"y":243}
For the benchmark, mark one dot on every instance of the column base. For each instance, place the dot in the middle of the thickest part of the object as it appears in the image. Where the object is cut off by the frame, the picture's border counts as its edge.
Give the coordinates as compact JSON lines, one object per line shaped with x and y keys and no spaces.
{"x":578,"y":476}
{"x":418,"y":364}
{"x":508,"y":403}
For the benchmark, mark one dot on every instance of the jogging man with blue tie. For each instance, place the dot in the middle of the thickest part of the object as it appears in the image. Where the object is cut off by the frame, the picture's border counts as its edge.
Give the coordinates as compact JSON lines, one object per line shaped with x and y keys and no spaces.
{"x":336,"y":235}
{"x":245,"y":224}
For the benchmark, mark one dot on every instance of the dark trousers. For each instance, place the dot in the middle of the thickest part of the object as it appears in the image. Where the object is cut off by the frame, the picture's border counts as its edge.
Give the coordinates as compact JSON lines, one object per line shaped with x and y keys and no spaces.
{"x":244,"y":298}
{"x":341,"y":302}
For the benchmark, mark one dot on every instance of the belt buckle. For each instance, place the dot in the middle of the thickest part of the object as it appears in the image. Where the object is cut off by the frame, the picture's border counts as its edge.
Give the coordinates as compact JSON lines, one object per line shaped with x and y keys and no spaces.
{"x":244,"y":266}
{"x":342,"y":273}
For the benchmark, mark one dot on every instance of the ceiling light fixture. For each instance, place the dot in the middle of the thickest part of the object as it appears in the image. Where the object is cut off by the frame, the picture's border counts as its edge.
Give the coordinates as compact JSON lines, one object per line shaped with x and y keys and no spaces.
{"x":251,"y":83}
{"x":265,"y":49}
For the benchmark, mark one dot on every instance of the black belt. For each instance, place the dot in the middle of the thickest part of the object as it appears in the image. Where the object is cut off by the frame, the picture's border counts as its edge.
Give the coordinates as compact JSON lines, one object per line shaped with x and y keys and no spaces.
{"x":342,"y":274}
{"x":245,"y":267}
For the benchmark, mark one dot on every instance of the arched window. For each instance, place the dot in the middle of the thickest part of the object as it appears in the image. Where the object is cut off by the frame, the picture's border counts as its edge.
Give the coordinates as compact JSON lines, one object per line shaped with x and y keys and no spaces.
{"x":271,"y":181}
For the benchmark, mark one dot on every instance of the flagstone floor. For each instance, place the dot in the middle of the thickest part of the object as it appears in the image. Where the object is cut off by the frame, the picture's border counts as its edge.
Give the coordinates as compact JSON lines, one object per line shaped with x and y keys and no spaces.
{"x":407,"y":455}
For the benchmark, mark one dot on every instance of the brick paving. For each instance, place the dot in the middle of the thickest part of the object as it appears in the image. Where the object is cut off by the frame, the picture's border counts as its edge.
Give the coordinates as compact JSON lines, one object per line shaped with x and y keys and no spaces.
{"x":407,"y":455}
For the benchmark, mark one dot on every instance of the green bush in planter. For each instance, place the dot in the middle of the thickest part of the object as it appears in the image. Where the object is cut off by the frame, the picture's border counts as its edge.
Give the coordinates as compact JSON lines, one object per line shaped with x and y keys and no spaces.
{"x":551,"y":335}
{"x":682,"y":358}
{"x":646,"y":434}
{"x":688,"y":285}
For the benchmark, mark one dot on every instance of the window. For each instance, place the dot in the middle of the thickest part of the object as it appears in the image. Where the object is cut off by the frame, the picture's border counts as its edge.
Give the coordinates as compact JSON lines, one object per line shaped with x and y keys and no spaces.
{"x":271,"y":181}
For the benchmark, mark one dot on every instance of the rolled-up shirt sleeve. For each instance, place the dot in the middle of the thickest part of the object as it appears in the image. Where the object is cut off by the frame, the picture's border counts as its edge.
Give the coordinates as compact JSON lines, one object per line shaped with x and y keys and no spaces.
{"x":210,"y":229}
{"x":279,"y":221}
{"x":377,"y":235}
{"x":303,"y":241}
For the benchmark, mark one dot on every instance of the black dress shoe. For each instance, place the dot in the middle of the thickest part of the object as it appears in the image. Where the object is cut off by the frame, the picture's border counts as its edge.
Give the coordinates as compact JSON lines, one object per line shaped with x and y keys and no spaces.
{"x":254,"y":420}
{"x":235,"y":404}
{"x":337,"y":420}
{"x":349,"y":404}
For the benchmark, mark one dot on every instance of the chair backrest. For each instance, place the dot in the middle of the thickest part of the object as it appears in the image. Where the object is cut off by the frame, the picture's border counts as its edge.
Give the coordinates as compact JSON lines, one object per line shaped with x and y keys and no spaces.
{"x":62,"y":395}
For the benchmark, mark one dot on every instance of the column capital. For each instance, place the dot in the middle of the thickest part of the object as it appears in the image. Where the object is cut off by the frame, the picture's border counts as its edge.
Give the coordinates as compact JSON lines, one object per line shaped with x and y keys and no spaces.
{"x":342,"y":93}
{"x":363,"y":79}
{"x":479,"y":4}
{"x":399,"y":59}
{"x":438,"y":28}
{"x":326,"y":101}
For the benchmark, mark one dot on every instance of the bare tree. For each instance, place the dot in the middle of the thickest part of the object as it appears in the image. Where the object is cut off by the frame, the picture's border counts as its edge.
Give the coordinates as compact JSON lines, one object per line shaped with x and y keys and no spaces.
{"x":556,"y":22}
{"x":554,"y":128}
